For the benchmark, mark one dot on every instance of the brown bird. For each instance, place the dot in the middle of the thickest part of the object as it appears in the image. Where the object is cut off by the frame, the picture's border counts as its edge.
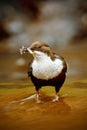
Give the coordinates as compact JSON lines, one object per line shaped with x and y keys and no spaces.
{"x":46,"y":69}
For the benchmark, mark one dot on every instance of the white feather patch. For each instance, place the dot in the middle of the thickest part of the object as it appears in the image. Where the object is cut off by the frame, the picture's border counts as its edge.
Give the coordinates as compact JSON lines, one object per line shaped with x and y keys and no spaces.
{"x":45,"y":68}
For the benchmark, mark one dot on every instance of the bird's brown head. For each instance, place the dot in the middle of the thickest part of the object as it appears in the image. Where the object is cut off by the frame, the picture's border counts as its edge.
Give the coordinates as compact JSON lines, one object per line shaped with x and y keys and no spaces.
{"x":41,"y":47}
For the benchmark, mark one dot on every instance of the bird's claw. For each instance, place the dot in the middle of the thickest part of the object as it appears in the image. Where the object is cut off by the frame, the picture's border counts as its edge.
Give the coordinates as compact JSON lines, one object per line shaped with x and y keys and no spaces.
{"x":39,"y":101}
{"x":56,"y":99}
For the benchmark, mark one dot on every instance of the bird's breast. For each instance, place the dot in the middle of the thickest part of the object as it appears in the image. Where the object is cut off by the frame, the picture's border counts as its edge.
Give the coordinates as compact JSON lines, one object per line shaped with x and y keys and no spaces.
{"x":46,"y":69}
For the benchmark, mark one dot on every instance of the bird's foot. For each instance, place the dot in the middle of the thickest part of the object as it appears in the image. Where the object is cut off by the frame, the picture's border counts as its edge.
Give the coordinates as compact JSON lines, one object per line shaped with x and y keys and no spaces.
{"x":39,"y":101}
{"x":56,"y":99}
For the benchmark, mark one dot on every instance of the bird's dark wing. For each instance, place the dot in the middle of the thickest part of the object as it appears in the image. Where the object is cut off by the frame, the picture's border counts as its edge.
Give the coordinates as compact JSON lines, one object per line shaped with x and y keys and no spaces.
{"x":64,"y":62}
{"x":30,"y":68}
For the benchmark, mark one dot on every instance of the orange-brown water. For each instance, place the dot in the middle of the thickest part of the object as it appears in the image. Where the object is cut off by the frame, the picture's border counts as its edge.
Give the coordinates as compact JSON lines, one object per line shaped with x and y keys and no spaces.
{"x":69,"y":113}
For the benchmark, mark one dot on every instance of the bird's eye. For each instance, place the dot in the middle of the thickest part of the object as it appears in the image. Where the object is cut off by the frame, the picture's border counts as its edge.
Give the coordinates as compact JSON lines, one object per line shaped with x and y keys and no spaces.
{"x":39,"y":46}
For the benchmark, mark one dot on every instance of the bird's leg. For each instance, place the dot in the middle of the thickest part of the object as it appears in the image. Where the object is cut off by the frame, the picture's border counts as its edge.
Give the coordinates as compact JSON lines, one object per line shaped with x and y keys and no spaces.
{"x":56,"y":98}
{"x":37,"y":97}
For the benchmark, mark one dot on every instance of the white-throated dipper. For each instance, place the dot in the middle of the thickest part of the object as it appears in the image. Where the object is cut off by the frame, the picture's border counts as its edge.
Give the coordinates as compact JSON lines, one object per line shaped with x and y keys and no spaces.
{"x":46,"y":69}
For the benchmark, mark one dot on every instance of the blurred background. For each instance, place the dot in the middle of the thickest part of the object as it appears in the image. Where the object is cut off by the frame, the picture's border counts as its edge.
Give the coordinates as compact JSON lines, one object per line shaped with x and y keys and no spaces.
{"x":60,"y":23}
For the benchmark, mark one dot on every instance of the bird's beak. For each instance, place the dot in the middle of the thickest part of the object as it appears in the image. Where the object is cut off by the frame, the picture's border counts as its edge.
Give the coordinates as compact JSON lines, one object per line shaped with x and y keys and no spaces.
{"x":30,"y":51}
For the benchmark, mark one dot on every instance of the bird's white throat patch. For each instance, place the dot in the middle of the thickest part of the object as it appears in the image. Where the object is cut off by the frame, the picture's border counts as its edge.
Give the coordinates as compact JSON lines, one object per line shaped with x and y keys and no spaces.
{"x":45,"y":68}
